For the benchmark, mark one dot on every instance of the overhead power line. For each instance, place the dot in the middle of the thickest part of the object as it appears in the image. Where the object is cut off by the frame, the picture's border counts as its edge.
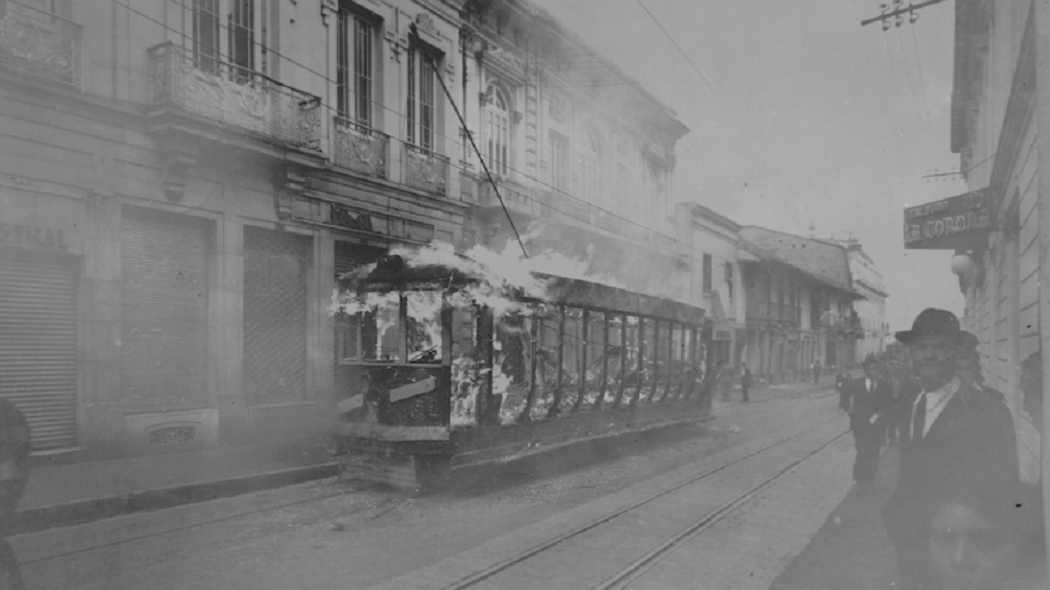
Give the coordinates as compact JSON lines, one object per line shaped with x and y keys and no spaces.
{"x":456,"y":142}
{"x":484,"y":166}
{"x":678,"y":47}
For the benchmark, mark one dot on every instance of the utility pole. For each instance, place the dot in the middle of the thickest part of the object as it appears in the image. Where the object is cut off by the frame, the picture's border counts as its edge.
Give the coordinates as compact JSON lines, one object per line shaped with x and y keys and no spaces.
{"x":898,"y":12}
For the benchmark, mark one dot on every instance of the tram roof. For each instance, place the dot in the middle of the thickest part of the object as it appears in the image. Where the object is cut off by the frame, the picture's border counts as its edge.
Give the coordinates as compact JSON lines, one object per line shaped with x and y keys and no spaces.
{"x":574,"y":292}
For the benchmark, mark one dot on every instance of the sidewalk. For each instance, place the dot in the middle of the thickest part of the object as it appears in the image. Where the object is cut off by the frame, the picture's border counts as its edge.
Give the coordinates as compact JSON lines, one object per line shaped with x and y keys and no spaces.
{"x":851,"y":550}
{"x":64,"y":495}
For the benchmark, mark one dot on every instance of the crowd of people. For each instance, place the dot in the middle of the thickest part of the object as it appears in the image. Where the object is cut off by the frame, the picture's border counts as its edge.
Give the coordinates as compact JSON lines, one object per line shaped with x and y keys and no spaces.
{"x":960,"y":517}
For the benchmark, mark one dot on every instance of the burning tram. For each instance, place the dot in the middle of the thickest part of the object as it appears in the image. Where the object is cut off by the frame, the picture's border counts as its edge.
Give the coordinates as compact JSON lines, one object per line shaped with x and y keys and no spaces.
{"x":444,"y":361}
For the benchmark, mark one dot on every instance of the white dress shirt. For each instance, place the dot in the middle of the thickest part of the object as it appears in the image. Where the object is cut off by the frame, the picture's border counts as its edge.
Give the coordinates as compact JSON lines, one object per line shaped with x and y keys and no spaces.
{"x":936,"y":400}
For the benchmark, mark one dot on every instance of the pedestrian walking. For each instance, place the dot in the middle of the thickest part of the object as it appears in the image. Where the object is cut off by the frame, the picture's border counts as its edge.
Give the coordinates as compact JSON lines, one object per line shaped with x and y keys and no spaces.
{"x":869,"y":400}
{"x":957,"y":434}
{"x":14,"y":473}
{"x":745,"y":383}
{"x":841,"y":379}
{"x":815,"y":367}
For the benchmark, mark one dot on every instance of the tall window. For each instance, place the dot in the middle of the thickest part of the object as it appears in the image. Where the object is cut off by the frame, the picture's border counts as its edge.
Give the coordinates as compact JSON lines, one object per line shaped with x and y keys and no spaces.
{"x":206,"y":34}
{"x":559,"y":145}
{"x":729,"y":278}
{"x":707,"y":273}
{"x":655,"y":189}
{"x":420,"y":107}
{"x":241,"y":31}
{"x":622,"y":189}
{"x":591,"y":164}
{"x":243,"y":46}
{"x":497,"y":130}
{"x":355,"y":61}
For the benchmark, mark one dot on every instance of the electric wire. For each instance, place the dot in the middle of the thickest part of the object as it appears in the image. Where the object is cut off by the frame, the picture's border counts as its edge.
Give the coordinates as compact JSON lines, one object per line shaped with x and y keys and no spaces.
{"x":456,"y":142}
{"x":186,"y":36}
{"x":484,"y":166}
{"x":678,"y":47}
{"x":907,"y":70}
{"x":922,"y":80}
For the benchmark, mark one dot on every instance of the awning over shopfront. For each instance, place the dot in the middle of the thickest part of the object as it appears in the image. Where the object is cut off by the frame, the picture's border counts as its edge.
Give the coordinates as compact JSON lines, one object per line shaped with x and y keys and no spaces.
{"x":961,"y":222}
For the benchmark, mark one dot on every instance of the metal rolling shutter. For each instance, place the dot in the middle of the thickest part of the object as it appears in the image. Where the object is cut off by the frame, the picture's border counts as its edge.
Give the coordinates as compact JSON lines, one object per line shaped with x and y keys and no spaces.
{"x":275,"y":265}
{"x":38,"y":343}
{"x":164,"y":307}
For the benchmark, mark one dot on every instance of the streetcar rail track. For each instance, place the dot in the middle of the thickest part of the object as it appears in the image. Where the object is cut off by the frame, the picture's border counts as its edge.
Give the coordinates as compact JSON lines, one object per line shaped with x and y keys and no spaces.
{"x":653,"y":556}
{"x":643,"y":564}
{"x":810,"y":397}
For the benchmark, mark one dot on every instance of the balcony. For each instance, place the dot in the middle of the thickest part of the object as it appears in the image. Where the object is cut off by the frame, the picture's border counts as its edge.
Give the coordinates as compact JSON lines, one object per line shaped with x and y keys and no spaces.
{"x":426,"y":170}
{"x":773,"y":312}
{"x":37,"y":44}
{"x":360,"y":148}
{"x":234,"y":97}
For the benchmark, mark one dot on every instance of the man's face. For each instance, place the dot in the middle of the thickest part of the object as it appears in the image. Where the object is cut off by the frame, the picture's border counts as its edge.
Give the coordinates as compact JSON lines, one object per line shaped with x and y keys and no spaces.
{"x":932,"y":359}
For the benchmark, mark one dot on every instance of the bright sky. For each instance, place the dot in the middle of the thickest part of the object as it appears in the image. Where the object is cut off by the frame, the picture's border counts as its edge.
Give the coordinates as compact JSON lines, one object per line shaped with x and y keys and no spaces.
{"x":813,"y":122}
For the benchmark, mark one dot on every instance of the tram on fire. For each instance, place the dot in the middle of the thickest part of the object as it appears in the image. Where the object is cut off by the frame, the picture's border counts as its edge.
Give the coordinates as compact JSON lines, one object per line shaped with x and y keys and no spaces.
{"x":442,"y":362}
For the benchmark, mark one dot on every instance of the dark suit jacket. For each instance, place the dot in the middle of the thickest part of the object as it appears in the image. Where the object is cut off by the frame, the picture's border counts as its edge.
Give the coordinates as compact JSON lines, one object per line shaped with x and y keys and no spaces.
{"x":864,"y":404}
{"x":971,"y":441}
{"x":973,"y":437}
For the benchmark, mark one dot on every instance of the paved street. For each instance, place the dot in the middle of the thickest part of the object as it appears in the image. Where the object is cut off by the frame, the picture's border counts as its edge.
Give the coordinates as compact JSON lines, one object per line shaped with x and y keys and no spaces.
{"x":712,"y":503}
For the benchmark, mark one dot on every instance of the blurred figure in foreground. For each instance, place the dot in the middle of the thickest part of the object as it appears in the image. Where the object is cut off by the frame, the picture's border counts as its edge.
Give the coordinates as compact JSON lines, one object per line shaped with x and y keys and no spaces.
{"x":982,"y":537}
{"x":14,"y":474}
{"x":956,"y":433}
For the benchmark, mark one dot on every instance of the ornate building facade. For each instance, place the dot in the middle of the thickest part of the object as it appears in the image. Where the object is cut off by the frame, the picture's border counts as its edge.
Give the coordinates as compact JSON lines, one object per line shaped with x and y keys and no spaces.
{"x":182,"y":181}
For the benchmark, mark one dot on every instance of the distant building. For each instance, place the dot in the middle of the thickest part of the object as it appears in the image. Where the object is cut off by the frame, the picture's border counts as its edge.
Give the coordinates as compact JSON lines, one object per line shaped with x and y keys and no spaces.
{"x":716,"y":281}
{"x":799,"y":304}
{"x":871,"y":310}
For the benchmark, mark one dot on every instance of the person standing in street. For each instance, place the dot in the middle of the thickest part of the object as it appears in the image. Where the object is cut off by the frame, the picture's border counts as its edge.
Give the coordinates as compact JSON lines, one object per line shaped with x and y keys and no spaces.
{"x":868,"y":400}
{"x":745,"y":383}
{"x":816,"y":372}
{"x":956,"y":435}
{"x":841,"y":379}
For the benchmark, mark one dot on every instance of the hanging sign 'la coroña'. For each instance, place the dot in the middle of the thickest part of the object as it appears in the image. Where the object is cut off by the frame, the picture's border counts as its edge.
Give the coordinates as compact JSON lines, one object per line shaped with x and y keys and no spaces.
{"x":961,"y":222}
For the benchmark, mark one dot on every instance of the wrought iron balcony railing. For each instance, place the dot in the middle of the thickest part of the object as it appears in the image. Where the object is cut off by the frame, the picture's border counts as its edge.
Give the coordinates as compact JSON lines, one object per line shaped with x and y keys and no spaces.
{"x":39,"y":44}
{"x":426,"y":170}
{"x":768,"y":310}
{"x":234,"y":96}
{"x":359,"y":147}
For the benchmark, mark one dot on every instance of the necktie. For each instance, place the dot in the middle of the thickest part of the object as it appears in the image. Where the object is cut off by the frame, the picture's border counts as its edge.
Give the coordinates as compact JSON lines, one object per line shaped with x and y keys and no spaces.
{"x":918,"y":418}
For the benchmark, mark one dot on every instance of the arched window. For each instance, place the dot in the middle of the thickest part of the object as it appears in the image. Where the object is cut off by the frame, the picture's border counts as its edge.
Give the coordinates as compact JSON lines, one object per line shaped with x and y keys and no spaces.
{"x":497,"y":130}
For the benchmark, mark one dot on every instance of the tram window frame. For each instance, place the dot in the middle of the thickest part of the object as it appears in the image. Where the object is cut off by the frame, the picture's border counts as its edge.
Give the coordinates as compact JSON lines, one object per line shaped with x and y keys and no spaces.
{"x":403,"y":343}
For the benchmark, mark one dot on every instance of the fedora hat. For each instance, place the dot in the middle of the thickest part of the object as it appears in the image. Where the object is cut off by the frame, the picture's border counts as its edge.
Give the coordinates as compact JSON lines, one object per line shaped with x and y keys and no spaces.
{"x":932,"y":322}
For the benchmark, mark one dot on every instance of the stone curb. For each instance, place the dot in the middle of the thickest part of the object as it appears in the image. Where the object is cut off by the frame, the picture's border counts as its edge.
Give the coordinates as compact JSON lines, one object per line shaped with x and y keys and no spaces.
{"x":83,"y":511}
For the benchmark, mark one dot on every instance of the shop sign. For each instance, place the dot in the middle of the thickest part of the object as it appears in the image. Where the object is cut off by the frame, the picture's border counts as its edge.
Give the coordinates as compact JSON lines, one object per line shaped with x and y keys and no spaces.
{"x":723,"y":335}
{"x":961,"y":222}
{"x":32,"y":237}
{"x":353,"y":219}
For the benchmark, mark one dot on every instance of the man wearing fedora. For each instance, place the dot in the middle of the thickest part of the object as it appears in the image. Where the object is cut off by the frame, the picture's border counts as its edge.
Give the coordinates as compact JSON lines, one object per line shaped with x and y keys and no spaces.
{"x":953,"y":433}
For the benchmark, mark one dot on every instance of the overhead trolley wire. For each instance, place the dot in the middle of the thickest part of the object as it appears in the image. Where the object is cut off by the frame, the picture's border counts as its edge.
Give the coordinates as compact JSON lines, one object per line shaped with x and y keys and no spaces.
{"x":456,"y":142}
{"x":679,"y":47}
{"x":918,"y":59}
